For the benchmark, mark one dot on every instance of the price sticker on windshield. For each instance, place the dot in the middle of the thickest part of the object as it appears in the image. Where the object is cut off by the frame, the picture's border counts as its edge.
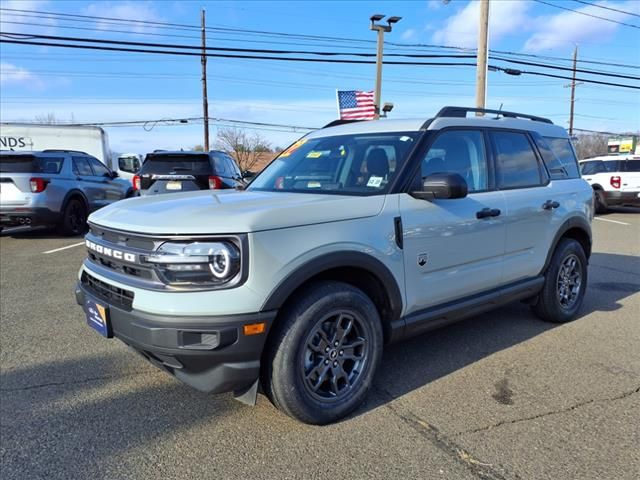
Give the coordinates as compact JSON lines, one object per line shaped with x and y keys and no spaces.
{"x":293,"y":148}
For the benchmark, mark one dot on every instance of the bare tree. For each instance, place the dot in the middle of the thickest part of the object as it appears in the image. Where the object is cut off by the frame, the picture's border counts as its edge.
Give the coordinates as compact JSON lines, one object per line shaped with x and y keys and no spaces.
{"x":244,"y":147}
{"x":48,"y":119}
{"x":590,"y":145}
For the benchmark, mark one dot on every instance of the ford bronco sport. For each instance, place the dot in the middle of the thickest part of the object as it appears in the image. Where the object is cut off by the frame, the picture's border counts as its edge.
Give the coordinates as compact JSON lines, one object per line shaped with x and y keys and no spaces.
{"x":357,"y":235}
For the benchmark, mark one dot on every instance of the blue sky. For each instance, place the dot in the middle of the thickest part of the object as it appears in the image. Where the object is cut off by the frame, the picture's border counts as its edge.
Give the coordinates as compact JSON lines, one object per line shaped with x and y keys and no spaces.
{"x":91,"y":86}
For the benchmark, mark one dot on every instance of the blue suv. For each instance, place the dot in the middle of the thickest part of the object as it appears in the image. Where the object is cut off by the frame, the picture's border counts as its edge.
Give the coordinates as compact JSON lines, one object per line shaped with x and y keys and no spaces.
{"x":55,"y":188}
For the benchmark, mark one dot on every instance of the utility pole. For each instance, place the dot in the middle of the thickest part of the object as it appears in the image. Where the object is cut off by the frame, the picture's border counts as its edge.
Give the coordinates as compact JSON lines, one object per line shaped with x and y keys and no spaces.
{"x":483,"y":56}
{"x":573,"y":90}
{"x":381,"y":29}
{"x":205,"y":100}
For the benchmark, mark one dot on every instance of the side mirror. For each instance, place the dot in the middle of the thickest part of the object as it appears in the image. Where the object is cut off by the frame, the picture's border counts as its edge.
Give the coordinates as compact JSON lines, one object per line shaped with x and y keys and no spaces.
{"x":442,"y":185}
{"x":111,"y":174}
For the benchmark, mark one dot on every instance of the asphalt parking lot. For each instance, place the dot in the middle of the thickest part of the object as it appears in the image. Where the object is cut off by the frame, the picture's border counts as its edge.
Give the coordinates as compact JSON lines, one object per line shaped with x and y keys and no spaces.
{"x":499,"y":396}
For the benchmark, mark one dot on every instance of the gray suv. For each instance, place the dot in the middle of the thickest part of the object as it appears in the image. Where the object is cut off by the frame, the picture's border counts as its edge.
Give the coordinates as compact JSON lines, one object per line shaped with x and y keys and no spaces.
{"x":55,"y":188}
{"x":357,"y":235}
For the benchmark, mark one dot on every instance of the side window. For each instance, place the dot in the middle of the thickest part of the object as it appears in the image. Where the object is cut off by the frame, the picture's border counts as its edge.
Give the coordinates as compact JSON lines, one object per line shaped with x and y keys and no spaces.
{"x":51,"y":164}
{"x":516,"y":162}
{"x":562,"y":149}
{"x":591,"y":168}
{"x":235,"y":167}
{"x":231,"y":166}
{"x":220,"y":165}
{"x":459,"y":151}
{"x":81,"y":167}
{"x":99,"y":169}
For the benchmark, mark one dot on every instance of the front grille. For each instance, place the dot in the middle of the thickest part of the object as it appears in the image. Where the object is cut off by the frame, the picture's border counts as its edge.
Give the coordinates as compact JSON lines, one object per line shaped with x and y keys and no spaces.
{"x":111,"y":294}
{"x":127,"y":269}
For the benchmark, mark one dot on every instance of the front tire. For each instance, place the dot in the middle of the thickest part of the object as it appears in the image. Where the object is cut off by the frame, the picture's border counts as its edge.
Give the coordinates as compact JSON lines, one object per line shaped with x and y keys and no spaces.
{"x":323,"y":353}
{"x":74,"y":218}
{"x":565,"y":283}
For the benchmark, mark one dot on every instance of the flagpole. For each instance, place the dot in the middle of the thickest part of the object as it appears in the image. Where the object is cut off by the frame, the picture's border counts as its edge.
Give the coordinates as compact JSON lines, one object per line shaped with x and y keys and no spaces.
{"x":338,"y":104}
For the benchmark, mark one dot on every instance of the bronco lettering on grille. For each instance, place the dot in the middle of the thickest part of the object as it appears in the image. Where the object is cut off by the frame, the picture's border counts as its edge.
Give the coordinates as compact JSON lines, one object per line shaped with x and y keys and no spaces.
{"x":111,"y":252}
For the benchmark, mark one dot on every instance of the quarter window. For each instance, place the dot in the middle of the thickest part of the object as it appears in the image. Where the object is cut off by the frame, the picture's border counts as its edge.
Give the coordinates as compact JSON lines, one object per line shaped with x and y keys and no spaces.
{"x":462,"y":152}
{"x":561,"y":148}
{"x":516,"y":162}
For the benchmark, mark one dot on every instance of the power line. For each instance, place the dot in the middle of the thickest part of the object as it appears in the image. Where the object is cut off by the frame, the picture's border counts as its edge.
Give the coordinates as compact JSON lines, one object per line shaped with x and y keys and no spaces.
{"x":587,"y":14}
{"x":509,"y":71}
{"x":236,"y":31}
{"x":604,"y":7}
{"x":301,"y":52}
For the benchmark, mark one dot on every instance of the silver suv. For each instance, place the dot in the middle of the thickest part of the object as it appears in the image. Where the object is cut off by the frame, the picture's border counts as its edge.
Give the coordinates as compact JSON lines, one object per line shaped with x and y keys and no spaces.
{"x":357,"y":235}
{"x":55,"y":188}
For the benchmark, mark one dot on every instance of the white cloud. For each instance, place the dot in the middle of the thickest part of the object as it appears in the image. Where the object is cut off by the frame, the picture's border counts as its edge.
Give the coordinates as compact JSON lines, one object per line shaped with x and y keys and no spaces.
{"x":129,"y":10}
{"x":408,"y":34}
{"x":566,"y":28}
{"x":461,"y":29}
{"x":11,"y":74}
{"x":7,"y":18}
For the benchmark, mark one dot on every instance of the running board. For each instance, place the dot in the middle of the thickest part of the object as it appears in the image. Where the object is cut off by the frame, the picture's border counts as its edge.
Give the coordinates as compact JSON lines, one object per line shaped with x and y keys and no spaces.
{"x":438,"y":316}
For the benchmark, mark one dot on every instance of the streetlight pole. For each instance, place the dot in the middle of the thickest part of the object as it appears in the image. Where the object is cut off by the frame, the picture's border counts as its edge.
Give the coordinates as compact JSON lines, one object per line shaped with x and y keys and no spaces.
{"x":483,"y":54}
{"x":381,"y":29}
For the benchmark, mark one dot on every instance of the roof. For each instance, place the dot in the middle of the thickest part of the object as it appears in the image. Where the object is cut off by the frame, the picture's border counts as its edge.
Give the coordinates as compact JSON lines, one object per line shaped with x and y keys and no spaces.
{"x":612,"y":157}
{"x":439,"y":122}
{"x":180,"y":152}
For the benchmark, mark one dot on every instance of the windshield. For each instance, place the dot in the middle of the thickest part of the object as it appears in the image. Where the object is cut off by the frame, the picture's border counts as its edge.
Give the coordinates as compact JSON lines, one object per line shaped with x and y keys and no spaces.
{"x":362,"y":164}
{"x":29,"y":164}
{"x":167,"y":163}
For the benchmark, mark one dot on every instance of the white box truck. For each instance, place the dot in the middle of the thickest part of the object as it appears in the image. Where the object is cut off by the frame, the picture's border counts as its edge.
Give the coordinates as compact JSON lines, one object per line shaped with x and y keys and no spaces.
{"x":36,"y":137}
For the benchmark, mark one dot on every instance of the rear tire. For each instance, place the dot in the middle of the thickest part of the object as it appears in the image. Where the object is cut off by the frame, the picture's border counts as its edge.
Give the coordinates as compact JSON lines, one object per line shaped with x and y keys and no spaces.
{"x":74,"y":218}
{"x":600,"y":201}
{"x":323,"y":353}
{"x":565,"y":283}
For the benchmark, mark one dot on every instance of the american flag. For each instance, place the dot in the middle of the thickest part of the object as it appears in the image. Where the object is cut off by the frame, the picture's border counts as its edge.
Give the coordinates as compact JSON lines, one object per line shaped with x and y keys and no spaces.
{"x":356,"y":105}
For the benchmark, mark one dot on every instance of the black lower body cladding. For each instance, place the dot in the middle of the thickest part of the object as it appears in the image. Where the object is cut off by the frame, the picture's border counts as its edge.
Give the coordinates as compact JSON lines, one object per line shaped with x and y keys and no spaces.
{"x":210,"y":354}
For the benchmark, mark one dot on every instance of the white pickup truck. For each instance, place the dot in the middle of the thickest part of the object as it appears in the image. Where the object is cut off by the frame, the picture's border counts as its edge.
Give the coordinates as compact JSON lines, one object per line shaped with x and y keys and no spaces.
{"x":615,"y":180}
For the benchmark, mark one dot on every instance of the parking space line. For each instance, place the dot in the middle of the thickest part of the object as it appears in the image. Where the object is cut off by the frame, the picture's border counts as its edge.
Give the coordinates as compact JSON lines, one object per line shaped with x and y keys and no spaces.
{"x":612,"y":221}
{"x":63,"y":248}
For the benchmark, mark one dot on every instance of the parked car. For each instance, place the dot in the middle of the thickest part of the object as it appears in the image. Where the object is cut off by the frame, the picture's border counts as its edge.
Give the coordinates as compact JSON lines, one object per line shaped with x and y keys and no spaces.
{"x":355,"y":236}
{"x":55,"y":188}
{"x":129,"y":165}
{"x":615,"y":180}
{"x":170,"y":172}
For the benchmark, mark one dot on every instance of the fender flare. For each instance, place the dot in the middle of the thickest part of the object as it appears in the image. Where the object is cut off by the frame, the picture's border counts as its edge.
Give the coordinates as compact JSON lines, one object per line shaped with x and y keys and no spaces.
{"x":571,"y":223}
{"x":71,"y":193}
{"x":339,"y":259}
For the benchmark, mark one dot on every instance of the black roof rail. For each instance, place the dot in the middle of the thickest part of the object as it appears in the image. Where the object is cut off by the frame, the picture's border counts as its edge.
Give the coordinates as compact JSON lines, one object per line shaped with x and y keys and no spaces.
{"x":340,"y":122}
{"x":63,"y":150}
{"x":461,"y":112}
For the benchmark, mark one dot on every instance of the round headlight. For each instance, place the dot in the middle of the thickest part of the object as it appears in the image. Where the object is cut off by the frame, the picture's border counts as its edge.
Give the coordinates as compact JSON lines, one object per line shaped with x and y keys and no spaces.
{"x":197,"y":262}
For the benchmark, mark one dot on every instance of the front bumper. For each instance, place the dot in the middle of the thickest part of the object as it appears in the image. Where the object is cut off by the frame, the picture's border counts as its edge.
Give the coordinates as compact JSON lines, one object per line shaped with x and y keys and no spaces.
{"x":18,"y":216}
{"x":210,"y":354}
{"x":622,"y":198}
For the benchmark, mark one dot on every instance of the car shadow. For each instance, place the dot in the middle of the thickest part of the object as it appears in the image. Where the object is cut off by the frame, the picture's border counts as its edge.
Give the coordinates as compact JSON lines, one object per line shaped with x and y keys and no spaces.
{"x":35,"y":233}
{"x":414,"y":363}
{"x":612,"y":210}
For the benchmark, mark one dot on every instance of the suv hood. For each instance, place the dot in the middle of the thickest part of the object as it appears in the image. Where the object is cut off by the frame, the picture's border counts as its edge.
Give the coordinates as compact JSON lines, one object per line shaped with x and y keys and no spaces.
{"x":231,"y":211}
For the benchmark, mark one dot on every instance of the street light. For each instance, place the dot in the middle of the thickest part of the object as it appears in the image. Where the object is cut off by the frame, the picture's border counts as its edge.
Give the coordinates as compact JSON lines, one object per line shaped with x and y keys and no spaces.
{"x":381,"y":29}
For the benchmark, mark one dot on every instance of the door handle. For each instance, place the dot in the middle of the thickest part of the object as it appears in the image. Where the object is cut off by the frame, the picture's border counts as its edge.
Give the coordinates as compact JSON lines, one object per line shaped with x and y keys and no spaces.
{"x":488,"y":212}
{"x":550,"y":204}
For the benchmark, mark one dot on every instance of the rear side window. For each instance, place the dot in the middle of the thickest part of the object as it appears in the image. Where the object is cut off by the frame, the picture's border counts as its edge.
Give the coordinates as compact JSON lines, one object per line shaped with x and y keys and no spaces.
{"x":220,"y":164}
{"x":231,"y":165}
{"x":516,"y":162}
{"x":176,"y":164}
{"x":558,"y":156}
{"x":632,"y":166}
{"x":81,"y":167}
{"x":30,"y":164}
